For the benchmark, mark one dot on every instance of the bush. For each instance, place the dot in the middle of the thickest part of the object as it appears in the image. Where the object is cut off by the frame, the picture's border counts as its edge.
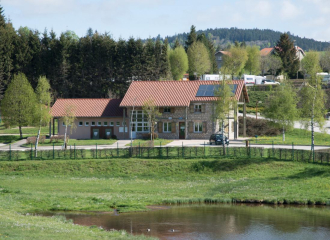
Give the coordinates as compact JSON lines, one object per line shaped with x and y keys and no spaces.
{"x":260,"y":127}
{"x":147,"y":136}
{"x":32,"y":140}
{"x":56,"y":138}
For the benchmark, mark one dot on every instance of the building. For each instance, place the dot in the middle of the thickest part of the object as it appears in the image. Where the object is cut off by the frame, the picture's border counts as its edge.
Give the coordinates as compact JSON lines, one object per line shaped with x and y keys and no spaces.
{"x":95,"y":118}
{"x":187,"y":108}
{"x":299,"y":52}
{"x":219,"y":57}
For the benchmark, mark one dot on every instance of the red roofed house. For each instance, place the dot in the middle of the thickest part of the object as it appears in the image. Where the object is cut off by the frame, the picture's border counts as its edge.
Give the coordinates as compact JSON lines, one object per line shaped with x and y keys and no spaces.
{"x":299,"y":52}
{"x":96,"y":118}
{"x":187,"y":108}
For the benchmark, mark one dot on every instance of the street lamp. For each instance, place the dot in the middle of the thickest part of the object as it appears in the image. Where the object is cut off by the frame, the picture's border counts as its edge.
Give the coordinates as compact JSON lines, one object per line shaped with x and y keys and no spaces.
{"x":312,"y":121}
{"x":257,"y":109}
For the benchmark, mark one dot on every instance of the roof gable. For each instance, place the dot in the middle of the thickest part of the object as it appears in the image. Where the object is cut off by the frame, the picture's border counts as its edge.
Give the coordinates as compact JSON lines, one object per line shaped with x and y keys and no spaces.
{"x":171,"y":93}
{"x":88,"y":107}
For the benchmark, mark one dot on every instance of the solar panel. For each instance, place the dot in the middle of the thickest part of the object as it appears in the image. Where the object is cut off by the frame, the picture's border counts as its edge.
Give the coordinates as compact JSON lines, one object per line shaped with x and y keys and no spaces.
{"x":211,"y":90}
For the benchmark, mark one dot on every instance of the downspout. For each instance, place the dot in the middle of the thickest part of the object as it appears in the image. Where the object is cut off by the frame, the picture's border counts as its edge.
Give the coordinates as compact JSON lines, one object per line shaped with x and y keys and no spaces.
{"x":186,"y":125}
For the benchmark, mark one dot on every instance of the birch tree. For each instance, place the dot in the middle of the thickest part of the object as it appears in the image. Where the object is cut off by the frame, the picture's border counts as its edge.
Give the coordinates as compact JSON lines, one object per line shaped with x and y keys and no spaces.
{"x":69,"y":119}
{"x":152,"y":112}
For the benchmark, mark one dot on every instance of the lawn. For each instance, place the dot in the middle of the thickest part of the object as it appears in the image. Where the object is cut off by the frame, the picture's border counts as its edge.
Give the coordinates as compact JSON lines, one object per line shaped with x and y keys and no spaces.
{"x":25,"y":130}
{"x":296,"y":136}
{"x":132,"y":184}
{"x":9,"y":139}
{"x":77,"y":142}
{"x":146,"y":143}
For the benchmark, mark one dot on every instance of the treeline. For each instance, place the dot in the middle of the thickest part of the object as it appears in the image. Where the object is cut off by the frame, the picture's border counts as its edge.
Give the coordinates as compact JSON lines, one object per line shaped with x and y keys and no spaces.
{"x":222,"y":37}
{"x":89,"y":66}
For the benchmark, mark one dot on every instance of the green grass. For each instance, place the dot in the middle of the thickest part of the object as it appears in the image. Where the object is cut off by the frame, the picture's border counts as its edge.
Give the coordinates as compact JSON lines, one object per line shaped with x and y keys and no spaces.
{"x":296,"y":136}
{"x":157,"y":142}
{"x":25,"y":130}
{"x":78,"y":142}
{"x":132,"y":184}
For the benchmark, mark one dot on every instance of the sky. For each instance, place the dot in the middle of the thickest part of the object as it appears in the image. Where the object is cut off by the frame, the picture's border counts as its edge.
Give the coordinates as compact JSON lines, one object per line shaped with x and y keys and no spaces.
{"x":148,"y":18}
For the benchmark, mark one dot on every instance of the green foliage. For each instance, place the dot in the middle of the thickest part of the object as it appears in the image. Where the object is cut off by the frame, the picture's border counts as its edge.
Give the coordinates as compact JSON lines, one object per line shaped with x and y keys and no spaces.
{"x":274,"y":64}
{"x":234,"y":62}
{"x":179,"y":62}
{"x":255,"y":96}
{"x":191,"y":38}
{"x":198,"y":57}
{"x":310,"y":64}
{"x":286,"y":51}
{"x":252,"y":64}
{"x":152,"y":111}
{"x":325,"y":60}
{"x":43,"y":94}
{"x":225,"y":100}
{"x":19,"y":104}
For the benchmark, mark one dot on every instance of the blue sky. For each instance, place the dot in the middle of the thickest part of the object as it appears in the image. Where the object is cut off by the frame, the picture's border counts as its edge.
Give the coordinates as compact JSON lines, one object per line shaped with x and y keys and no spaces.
{"x":148,"y":18}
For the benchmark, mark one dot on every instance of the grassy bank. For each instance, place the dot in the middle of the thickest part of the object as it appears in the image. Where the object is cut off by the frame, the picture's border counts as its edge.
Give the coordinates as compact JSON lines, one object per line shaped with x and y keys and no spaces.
{"x":296,"y":136}
{"x":77,"y":142}
{"x":132,"y":184}
{"x":146,"y":143}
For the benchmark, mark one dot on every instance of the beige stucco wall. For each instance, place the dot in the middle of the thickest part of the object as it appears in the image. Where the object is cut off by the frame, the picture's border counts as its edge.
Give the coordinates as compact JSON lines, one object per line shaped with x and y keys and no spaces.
{"x":84,"y":132}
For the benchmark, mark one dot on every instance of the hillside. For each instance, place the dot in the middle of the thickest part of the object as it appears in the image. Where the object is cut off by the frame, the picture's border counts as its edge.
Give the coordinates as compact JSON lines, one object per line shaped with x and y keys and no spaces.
{"x":261,"y":37}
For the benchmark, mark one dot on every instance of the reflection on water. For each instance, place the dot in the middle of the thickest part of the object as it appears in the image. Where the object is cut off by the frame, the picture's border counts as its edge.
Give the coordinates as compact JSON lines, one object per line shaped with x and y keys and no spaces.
{"x":219,"y":222}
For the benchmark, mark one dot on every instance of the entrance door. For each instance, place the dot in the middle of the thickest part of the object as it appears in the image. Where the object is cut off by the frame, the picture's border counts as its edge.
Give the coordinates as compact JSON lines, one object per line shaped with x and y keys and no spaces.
{"x":96,"y":134}
{"x":108,"y":133}
{"x":182,"y":130}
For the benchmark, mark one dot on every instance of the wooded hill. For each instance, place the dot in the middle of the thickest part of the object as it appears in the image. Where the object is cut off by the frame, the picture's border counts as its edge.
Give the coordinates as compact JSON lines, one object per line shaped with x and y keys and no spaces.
{"x":261,"y":37}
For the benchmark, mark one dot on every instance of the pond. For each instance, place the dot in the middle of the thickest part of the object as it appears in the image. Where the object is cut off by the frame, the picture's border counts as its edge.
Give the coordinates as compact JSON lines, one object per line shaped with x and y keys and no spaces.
{"x":216,"y":222}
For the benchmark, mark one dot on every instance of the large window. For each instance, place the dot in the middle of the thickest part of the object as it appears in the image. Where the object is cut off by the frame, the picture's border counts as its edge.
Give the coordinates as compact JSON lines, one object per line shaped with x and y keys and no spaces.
{"x":167,"y":127}
{"x":198,"y":127}
{"x":140,"y":120}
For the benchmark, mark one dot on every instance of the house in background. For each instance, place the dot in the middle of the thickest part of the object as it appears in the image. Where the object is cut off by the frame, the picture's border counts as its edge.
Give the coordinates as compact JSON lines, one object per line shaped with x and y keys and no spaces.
{"x":95,"y":118}
{"x":219,"y":57}
{"x":187,"y":108}
{"x":267,"y":51}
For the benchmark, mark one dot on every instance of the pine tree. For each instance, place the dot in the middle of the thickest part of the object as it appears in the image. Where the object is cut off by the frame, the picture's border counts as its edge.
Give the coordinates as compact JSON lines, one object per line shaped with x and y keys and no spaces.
{"x":164,"y":62}
{"x":176,"y":43}
{"x":19,"y":104}
{"x":192,"y":37}
{"x":287,"y":52}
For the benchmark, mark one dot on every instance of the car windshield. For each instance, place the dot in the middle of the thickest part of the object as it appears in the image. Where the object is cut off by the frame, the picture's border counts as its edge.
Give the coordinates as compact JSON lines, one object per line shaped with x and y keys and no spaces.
{"x":219,"y":136}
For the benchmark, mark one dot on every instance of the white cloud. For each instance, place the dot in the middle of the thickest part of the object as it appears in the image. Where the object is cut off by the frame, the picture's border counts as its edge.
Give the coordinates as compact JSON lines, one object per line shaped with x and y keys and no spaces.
{"x":289,"y":10}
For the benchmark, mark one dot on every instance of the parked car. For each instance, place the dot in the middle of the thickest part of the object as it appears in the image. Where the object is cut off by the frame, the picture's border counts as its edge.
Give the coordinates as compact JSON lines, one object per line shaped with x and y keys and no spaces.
{"x":269,"y":82}
{"x":218,"y":139}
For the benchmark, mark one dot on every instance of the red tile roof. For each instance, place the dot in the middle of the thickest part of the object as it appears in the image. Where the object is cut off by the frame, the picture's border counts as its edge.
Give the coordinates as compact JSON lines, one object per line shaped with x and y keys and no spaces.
{"x":89,"y":107}
{"x":266,"y":51}
{"x":171,"y":93}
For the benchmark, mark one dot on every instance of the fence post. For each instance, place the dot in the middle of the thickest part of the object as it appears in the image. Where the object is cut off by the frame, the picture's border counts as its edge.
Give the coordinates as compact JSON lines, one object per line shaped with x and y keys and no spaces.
{"x":160,"y":149}
{"x":9,"y":151}
{"x":53,"y":150}
{"x":182,"y":150}
{"x":96,"y":150}
{"x":273,"y":148}
{"x":292,"y":151}
{"x":75,"y":151}
{"x":204,"y":148}
{"x":31,"y":153}
{"x":117,"y":150}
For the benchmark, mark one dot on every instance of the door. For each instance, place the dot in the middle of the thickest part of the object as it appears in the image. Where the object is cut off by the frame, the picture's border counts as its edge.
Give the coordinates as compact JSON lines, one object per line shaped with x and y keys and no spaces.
{"x":133,"y":130}
{"x":182,"y":130}
{"x":108,"y":133}
{"x":96,"y":133}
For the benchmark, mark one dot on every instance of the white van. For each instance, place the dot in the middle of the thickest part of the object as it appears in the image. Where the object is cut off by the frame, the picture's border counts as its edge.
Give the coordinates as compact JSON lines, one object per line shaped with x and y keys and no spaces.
{"x":249,"y":79}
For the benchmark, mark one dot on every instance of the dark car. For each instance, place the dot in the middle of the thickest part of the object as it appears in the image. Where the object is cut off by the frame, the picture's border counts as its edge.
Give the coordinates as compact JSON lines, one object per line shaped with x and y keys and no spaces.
{"x":218,"y":139}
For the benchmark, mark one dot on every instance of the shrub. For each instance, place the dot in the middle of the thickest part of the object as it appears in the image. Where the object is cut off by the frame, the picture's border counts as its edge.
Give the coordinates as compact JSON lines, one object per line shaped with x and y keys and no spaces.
{"x":260,"y":127}
{"x":56,"y":138}
{"x":147,"y":136}
{"x":32,"y":140}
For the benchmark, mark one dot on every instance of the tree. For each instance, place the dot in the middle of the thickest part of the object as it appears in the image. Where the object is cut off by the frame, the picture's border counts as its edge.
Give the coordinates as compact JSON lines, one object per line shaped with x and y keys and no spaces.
{"x":176,"y":43}
{"x":43,"y":94}
{"x":198,"y":58}
{"x":225,"y":102}
{"x":264,"y":64}
{"x":2,"y":18}
{"x":312,"y":95}
{"x":281,"y":106}
{"x":234,"y":62}
{"x":152,"y":112}
{"x":69,"y":119}
{"x":287,"y":52}
{"x":253,"y":62}
{"x":178,"y":62}
{"x":274,"y":64}
{"x":18,"y":106}
{"x":191,"y":38}
{"x":325,"y":61}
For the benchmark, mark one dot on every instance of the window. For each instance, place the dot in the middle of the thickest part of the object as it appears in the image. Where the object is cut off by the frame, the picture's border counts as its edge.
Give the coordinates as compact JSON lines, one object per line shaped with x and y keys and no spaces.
{"x":198,"y":127}
{"x":167,"y":109}
{"x":167,"y":127}
{"x":140,"y":121}
{"x":63,"y":124}
{"x":198,"y":107}
{"x":219,"y":58}
{"x":93,"y":123}
{"x":105,"y":123}
{"x":80,"y":124}
{"x":111,"y":123}
{"x":117,"y":123}
{"x":207,"y":78}
{"x":99,"y":123}
{"x":86,"y":124}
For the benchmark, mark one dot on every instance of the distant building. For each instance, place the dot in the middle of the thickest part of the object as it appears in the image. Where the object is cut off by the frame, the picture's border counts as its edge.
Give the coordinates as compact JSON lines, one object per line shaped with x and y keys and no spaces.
{"x":219,"y":57}
{"x":299,"y":52}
